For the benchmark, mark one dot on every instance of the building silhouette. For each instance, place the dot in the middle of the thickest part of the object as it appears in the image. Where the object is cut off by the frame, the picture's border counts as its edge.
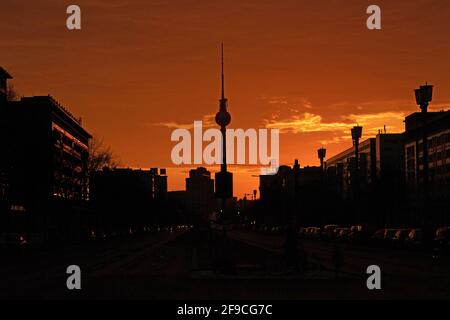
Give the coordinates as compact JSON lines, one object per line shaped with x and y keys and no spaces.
{"x":392,"y":174}
{"x":200,"y":199}
{"x":289,"y":191}
{"x":159,"y":184}
{"x":177,"y":207}
{"x":380,"y":159}
{"x":4,"y":77}
{"x":438,"y":136}
{"x":390,"y":179}
{"x":44,"y":165}
{"x":127,"y":200}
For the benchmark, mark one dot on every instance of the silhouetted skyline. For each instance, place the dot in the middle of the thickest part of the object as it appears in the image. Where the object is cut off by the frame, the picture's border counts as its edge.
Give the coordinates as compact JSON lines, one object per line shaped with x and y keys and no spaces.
{"x":137,"y":70}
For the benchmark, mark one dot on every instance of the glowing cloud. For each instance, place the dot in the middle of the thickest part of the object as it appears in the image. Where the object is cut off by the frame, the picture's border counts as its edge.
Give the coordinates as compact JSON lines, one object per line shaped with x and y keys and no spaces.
{"x":310,"y":123}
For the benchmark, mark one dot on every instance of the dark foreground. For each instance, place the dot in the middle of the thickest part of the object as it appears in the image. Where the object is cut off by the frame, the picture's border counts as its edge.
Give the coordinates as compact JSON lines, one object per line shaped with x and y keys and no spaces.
{"x":199,"y":265}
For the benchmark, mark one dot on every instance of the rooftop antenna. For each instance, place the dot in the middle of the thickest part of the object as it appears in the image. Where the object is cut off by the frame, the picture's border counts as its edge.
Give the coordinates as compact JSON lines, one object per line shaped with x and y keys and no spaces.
{"x":223,"y":76}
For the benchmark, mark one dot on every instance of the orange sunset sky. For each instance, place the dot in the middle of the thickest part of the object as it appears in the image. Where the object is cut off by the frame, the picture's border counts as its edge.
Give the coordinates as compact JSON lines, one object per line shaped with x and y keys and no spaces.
{"x":140,"y":68}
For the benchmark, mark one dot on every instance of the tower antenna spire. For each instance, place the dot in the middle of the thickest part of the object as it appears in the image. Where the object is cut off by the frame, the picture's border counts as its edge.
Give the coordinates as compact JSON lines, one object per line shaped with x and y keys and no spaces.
{"x":223,"y":76}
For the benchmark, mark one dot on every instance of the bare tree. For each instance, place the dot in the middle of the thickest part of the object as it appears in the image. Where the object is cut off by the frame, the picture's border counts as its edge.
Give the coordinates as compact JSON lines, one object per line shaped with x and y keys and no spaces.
{"x":100,"y":156}
{"x":12,"y":94}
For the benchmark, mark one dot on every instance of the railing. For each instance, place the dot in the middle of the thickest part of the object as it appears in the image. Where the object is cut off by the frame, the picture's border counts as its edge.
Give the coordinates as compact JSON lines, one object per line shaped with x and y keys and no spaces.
{"x":67,"y":112}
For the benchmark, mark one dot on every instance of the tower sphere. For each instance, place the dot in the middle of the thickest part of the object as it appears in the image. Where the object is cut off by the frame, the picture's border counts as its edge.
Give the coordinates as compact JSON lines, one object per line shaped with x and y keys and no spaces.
{"x":223,"y":118}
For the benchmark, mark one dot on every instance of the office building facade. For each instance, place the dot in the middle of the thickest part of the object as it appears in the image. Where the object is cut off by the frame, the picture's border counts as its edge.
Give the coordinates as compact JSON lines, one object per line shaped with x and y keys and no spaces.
{"x":438,"y":136}
{"x":44,"y":165}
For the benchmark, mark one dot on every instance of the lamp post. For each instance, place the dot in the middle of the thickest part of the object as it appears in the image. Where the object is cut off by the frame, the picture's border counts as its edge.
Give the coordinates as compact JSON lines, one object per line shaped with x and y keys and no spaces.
{"x":356,"y":135}
{"x":291,"y":243}
{"x":321,"y":153}
{"x":424,"y":95}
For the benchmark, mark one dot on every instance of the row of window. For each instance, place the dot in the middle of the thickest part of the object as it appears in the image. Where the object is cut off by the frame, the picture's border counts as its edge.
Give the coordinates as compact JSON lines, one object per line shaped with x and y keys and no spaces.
{"x":438,"y":170}
{"x":440,"y":155}
{"x":433,"y":157}
{"x":410,"y":153}
{"x":439,"y":140}
{"x":59,"y":137}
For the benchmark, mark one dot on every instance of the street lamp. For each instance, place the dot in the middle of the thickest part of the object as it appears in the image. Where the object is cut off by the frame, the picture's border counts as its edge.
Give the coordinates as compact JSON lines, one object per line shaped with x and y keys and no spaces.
{"x":292,"y":253}
{"x":321,"y":153}
{"x":356,"y":135}
{"x":424,"y":95}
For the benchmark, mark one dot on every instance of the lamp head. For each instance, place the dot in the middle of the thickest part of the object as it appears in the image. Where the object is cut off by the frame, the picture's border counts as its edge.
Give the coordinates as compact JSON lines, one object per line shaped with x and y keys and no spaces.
{"x":424,"y":95}
{"x":427,"y":92}
{"x":356,"y":132}
{"x":321,"y":153}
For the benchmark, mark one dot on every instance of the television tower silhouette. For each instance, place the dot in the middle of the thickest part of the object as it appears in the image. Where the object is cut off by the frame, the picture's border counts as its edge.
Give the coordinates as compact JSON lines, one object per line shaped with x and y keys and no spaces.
{"x":224,"y":179}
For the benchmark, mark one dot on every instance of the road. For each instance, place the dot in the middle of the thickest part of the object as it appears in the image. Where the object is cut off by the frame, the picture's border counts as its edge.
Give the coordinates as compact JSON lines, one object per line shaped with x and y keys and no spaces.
{"x":106,"y":267}
{"x":408,"y":274}
{"x":192,"y":265}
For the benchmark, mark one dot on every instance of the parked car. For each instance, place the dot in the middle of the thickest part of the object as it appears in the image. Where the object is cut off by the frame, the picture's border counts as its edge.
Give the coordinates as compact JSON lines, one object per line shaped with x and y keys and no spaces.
{"x":312,"y":233}
{"x":414,"y":239}
{"x":99,"y":235}
{"x":13,"y":240}
{"x":343,"y":233}
{"x":389,"y":235}
{"x":378,"y":237}
{"x":264,"y":228}
{"x":308,"y":232}
{"x":442,"y":239}
{"x":276,"y":230}
{"x":301,"y":232}
{"x":358,"y":234}
{"x":316,"y":233}
{"x":336,"y":232}
{"x":328,"y":231}
{"x":399,"y":237}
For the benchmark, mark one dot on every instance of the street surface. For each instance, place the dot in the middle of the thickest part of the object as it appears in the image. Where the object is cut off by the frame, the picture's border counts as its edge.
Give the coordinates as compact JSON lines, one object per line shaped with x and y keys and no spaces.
{"x":199,"y":265}
{"x":407,"y":274}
